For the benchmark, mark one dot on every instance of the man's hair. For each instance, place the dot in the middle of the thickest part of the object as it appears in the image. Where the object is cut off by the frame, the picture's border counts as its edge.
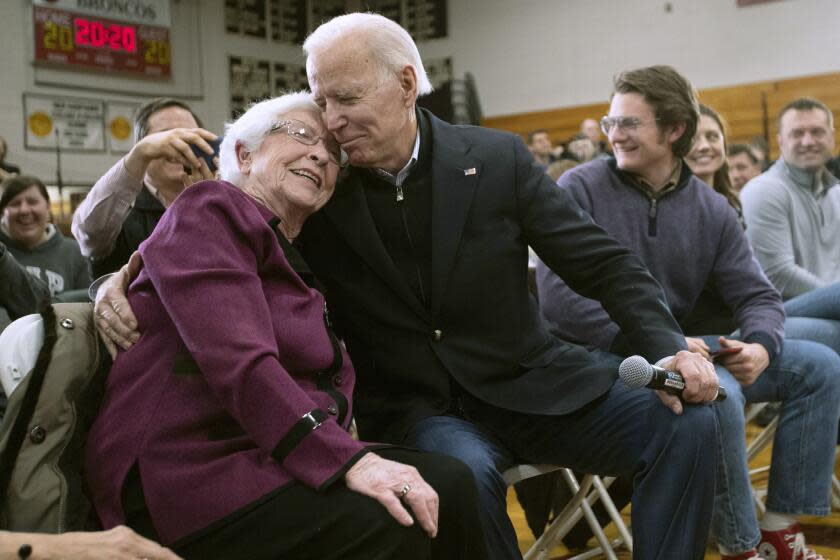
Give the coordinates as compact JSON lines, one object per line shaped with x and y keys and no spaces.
{"x":389,"y":44}
{"x":738,"y":149}
{"x":672,"y":97}
{"x":252,"y":127}
{"x":15,"y":185}
{"x":144,"y":113}
{"x":806,"y":104}
{"x":534,"y":133}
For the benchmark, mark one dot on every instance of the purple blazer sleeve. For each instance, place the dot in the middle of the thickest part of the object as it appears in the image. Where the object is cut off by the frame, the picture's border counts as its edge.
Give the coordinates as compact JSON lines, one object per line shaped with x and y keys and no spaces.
{"x":213,"y":261}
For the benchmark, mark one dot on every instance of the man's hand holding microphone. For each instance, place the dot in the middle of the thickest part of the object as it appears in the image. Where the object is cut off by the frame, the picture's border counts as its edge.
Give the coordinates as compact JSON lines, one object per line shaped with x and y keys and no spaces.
{"x":685,"y":377}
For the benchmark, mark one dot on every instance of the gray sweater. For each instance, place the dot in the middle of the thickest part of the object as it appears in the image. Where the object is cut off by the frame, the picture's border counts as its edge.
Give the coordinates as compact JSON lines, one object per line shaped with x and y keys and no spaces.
{"x":793,"y":223}
{"x":57,"y":261}
{"x":20,"y":292}
{"x":689,"y":238}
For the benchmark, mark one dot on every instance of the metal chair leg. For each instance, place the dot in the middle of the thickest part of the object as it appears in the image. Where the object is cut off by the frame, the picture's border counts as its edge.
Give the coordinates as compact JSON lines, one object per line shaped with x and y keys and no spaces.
{"x":547,"y":540}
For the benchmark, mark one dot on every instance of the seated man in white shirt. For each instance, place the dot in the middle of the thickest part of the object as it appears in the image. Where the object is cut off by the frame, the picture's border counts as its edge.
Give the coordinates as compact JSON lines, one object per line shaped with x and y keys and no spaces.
{"x":124,"y":206}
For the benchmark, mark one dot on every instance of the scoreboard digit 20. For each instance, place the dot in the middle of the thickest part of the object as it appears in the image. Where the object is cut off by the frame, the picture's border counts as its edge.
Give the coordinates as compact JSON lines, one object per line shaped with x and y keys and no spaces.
{"x":67,"y":39}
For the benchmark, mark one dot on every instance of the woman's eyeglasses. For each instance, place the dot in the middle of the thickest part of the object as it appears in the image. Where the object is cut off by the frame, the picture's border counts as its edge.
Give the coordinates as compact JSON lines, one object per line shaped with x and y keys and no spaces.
{"x":310,"y":136}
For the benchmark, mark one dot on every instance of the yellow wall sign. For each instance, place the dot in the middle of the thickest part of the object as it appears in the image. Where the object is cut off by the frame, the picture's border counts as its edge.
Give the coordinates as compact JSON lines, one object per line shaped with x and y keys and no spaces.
{"x":119,"y":120}
{"x":40,"y":124}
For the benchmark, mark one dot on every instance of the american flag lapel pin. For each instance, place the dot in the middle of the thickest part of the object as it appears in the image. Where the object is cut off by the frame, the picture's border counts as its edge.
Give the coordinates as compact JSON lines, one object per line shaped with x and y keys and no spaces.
{"x":470,"y":171}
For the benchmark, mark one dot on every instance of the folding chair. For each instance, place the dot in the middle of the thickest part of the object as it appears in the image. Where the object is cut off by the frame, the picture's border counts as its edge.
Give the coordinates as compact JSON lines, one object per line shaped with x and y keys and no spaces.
{"x":585,"y":493}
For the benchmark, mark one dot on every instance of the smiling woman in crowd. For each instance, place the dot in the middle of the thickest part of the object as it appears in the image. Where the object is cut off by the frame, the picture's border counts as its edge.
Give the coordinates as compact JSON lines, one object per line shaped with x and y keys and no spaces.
{"x":707,"y":158}
{"x":27,"y":232}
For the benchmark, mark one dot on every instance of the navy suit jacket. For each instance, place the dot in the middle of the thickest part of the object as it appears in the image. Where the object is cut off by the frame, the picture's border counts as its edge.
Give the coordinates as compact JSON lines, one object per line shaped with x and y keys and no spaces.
{"x":483,"y":327}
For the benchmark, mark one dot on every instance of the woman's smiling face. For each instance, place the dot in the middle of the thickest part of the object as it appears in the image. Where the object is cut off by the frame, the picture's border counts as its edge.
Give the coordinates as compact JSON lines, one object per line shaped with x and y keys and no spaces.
{"x":26,"y":216}
{"x":707,"y":151}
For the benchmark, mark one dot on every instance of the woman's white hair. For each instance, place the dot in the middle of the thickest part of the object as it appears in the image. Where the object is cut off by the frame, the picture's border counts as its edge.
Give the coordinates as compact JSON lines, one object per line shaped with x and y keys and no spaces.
{"x":251,"y":128}
{"x":389,"y":44}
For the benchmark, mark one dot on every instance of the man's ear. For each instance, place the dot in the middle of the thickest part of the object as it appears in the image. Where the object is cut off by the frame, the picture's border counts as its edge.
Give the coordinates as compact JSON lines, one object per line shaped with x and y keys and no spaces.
{"x":677,"y":131}
{"x":408,"y":85}
{"x":243,"y":158}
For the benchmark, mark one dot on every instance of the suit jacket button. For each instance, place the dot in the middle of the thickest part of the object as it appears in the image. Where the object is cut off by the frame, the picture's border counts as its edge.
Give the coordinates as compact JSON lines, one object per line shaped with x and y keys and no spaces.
{"x":437,"y":334}
{"x":332,"y":409}
{"x":337,"y":380}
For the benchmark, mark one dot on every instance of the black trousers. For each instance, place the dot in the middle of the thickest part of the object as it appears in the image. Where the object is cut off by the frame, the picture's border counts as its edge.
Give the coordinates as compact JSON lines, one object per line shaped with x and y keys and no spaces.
{"x":299,"y":523}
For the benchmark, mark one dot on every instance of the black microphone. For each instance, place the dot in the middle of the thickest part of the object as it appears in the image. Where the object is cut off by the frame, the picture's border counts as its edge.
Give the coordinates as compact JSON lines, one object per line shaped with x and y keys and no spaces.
{"x":636,"y":373}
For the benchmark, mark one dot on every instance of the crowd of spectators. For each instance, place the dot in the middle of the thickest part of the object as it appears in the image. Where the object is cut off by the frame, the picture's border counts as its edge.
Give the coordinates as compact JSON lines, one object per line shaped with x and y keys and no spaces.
{"x":584,"y":146}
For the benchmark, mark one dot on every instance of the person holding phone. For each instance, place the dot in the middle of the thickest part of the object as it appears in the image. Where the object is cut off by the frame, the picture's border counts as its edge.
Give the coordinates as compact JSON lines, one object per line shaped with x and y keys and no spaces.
{"x":124,"y":206}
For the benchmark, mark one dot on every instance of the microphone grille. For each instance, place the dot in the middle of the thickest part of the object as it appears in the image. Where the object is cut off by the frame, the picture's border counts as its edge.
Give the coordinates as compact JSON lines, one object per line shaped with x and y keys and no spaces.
{"x":635,"y":372}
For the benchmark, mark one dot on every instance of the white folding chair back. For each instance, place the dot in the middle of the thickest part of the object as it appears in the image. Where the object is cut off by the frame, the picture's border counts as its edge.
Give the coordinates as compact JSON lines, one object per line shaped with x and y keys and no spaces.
{"x":585,"y":493}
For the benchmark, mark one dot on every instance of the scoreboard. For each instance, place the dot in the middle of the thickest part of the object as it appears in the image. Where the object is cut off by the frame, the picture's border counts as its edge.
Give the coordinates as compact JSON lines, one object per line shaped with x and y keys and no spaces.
{"x":69,"y":37}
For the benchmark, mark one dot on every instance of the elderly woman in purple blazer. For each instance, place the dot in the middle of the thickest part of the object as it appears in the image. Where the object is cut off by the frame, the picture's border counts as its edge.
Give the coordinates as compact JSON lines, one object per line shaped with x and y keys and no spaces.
{"x":224,"y":429}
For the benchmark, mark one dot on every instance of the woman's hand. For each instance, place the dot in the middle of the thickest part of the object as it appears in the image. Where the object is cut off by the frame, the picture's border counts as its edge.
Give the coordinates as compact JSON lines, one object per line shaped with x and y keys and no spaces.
{"x":120,"y":543}
{"x":395,"y":485}
{"x":115,"y":320}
